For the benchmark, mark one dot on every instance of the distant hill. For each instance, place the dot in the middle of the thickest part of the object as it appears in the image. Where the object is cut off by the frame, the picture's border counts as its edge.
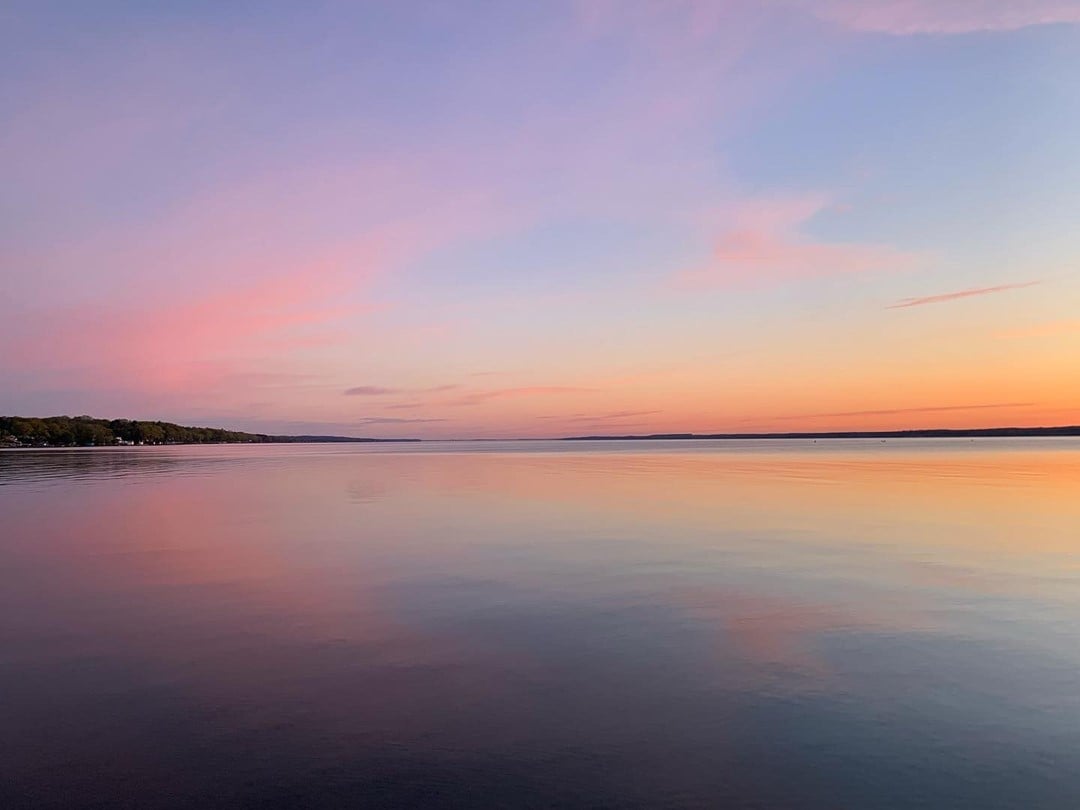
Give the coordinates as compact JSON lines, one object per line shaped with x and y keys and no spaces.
{"x":86,"y":431}
{"x":944,"y":433}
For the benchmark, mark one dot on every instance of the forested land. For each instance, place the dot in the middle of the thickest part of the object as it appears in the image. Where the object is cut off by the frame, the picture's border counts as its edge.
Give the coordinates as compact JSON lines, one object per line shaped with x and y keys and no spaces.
{"x":85,"y":431}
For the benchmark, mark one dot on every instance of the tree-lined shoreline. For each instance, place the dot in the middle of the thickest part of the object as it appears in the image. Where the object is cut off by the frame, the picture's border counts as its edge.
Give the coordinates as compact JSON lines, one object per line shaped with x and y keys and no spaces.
{"x":87,"y":431}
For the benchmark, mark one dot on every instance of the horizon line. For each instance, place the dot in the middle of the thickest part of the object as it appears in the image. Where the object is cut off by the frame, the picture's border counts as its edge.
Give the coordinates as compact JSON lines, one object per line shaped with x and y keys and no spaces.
{"x":938,"y":432}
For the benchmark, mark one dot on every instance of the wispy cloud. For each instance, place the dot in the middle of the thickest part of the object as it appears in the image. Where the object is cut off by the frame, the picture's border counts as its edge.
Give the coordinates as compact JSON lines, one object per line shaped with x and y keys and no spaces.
{"x":478,"y":397}
{"x":902,"y":17}
{"x":697,"y":19}
{"x":952,"y":296}
{"x":181,"y":343}
{"x":369,"y":391}
{"x":763,"y":241}
{"x":923,"y":409}
{"x":599,"y":417}
{"x":390,"y":420}
{"x":378,"y":390}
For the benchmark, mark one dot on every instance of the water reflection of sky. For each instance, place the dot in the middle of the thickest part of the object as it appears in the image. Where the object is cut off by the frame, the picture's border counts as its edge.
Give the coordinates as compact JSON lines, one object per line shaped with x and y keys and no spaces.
{"x":846,"y":626}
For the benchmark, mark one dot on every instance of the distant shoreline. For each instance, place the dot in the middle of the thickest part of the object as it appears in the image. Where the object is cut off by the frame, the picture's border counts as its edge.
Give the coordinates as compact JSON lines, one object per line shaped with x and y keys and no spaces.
{"x":86,"y":431}
{"x":942,"y":433}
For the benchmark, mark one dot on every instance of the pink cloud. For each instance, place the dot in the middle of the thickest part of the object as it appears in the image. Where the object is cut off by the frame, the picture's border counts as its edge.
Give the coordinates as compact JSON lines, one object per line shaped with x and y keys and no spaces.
{"x":601,"y":417}
{"x":183,"y":344}
{"x":952,"y":296}
{"x":378,"y":390}
{"x":942,"y":16}
{"x":763,"y":243}
{"x":240,"y":280}
{"x":370,"y":391}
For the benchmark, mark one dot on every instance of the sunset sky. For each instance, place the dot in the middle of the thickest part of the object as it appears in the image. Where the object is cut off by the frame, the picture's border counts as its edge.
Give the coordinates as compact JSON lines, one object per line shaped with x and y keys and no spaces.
{"x":456,"y":219}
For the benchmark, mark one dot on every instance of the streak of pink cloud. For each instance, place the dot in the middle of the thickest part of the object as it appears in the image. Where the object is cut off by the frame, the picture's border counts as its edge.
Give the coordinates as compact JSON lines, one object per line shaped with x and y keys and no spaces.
{"x":952,"y":296}
{"x":900,"y":411}
{"x":479,"y":397}
{"x":179,"y":345}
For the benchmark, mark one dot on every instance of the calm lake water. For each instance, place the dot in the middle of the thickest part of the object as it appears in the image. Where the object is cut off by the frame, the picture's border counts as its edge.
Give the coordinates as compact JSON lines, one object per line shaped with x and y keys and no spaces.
{"x":846,"y":624}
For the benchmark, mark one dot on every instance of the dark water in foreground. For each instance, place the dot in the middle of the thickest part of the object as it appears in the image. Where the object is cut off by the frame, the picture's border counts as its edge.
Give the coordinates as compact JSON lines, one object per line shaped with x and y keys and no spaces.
{"x":773,"y":625}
